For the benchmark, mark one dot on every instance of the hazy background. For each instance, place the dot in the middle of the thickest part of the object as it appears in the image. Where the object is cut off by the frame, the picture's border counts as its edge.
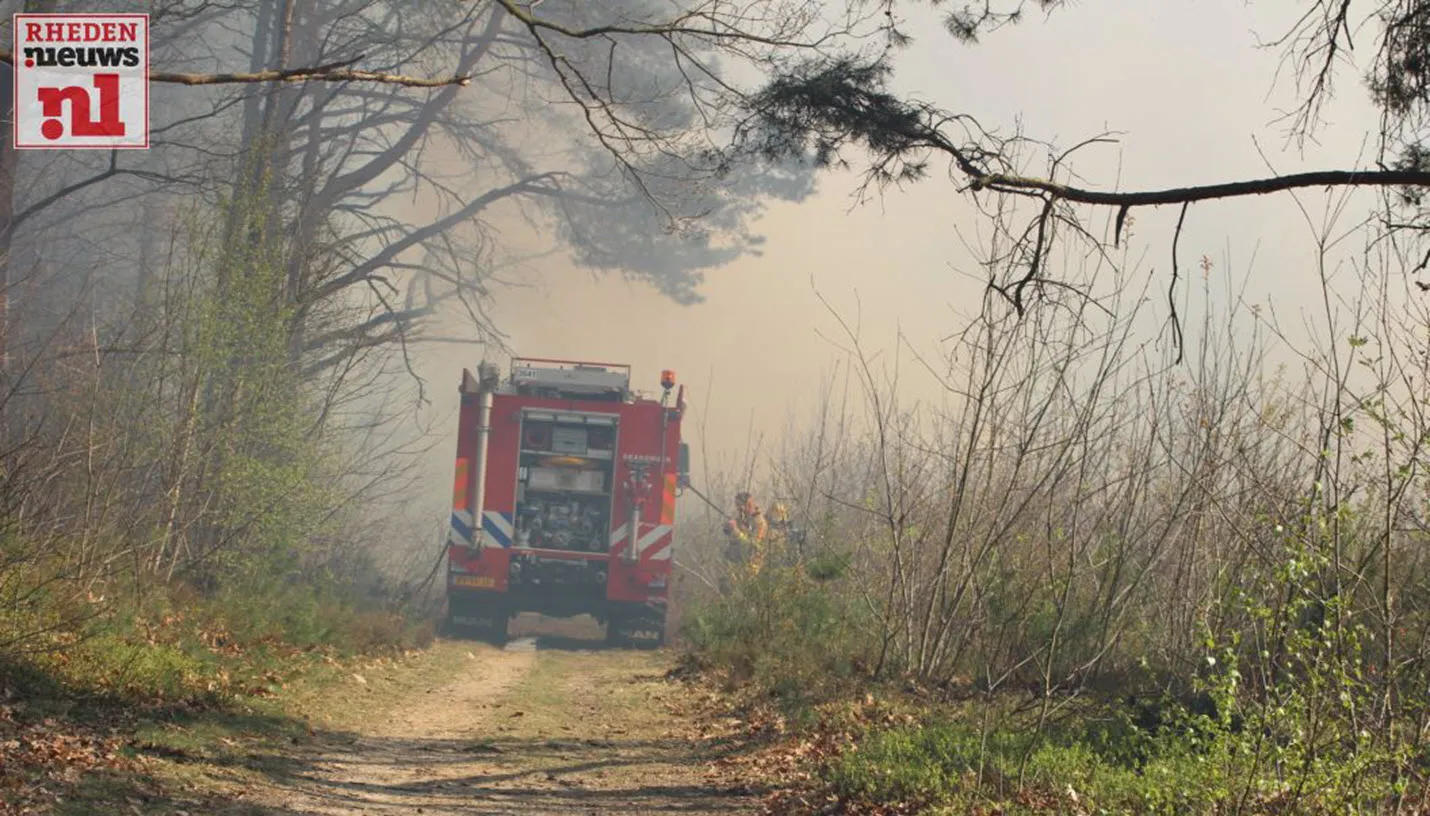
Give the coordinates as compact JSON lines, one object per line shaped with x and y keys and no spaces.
{"x":1187,"y":87}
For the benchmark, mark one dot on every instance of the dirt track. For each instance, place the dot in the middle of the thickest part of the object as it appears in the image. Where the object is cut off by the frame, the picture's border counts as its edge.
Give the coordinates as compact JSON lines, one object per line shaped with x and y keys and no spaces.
{"x":543,"y":726}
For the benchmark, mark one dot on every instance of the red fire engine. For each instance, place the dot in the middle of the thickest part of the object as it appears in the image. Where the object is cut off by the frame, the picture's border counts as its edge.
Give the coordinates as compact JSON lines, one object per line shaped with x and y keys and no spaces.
{"x":573,"y":480}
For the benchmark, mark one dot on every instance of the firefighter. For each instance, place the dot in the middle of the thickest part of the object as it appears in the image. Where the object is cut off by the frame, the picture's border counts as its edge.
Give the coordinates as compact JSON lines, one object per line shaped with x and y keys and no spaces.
{"x":746,"y":533}
{"x":750,"y":519}
{"x":744,"y":506}
{"x":779,"y":522}
{"x":733,"y":541}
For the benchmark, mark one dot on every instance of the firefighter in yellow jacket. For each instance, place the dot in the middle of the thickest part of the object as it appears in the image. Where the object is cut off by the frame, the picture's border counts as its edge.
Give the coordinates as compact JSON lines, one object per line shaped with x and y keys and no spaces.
{"x":747,"y":531}
{"x":779,"y":522}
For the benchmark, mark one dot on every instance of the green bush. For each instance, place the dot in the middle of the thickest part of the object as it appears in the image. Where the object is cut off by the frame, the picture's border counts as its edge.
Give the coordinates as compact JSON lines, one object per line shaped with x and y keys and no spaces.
{"x":827,"y":566}
{"x":1011,"y":768}
{"x":793,"y":637}
{"x":175,"y":645}
{"x":1286,"y":748}
{"x":112,"y":664}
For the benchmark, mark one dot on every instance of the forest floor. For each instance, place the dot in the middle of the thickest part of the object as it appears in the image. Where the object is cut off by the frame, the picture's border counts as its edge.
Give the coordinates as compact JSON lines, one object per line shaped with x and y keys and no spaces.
{"x":548,"y":724}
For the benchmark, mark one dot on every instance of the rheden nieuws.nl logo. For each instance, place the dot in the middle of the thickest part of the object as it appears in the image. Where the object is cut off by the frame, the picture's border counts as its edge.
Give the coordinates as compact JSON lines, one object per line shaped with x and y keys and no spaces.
{"x":81,"y":81}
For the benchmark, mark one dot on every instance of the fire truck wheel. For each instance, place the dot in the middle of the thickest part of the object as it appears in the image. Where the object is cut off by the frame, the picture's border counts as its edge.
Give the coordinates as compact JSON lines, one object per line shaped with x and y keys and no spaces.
{"x":499,"y":633}
{"x":635,"y":634}
{"x":494,"y":632}
{"x":614,"y":636}
{"x":651,"y":635}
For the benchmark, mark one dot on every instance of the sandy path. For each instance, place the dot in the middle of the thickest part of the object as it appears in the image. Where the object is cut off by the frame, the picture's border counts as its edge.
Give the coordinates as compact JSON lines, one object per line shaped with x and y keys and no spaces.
{"x":525,"y":731}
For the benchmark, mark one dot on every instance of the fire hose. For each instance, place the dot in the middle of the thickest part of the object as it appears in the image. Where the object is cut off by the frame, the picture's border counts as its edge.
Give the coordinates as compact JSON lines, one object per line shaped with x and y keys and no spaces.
{"x":702,"y":497}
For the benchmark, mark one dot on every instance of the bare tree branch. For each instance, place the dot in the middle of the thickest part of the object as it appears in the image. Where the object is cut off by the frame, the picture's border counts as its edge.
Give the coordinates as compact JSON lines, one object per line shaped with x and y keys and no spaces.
{"x":333,"y":72}
{"x":1203,"y":192}
{"x":696,"y":22}
{"x":827,"y":107}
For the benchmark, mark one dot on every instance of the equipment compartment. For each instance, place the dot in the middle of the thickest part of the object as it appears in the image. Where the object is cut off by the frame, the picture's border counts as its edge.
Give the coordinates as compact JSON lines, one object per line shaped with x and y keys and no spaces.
{"x":564,"y":483}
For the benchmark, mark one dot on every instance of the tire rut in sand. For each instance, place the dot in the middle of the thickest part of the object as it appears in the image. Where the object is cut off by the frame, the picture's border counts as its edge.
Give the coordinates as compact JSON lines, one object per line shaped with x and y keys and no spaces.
{"x":419,"y":754}
{"x":527,"y":730}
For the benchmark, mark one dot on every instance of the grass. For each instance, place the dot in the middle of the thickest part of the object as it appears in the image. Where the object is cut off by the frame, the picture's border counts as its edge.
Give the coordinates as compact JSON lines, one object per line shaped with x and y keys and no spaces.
{"x":1301,"y":746}
{"x":958,"y":766}
{"x":563,"y":683}
{"x":788,"y":633}
{"x":181,"y":694}
{"x":188,"y":760}
{"x":985,"y":756}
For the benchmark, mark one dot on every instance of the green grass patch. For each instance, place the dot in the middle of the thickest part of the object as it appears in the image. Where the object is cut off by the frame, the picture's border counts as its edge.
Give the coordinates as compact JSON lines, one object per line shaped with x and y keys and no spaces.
{"x":183,"y":692}
{"x":1093,"y":761}
{"x":182,"y":649}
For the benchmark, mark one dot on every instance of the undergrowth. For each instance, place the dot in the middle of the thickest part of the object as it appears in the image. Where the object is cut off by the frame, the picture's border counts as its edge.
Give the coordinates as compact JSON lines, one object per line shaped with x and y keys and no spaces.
{"x":784,"y":632}
{"x":175,"y":646}
{"x":1283,"y":714}
{"x":102,"y":685}
{"x":1095,"y":763}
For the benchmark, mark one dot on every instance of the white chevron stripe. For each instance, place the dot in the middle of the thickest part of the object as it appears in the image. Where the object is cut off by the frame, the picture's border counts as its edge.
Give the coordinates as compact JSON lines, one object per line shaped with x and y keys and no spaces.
{"x":618,"y":535}
{"x":499,"y":522}
{"x":455,"y":537}
{"x":652,"y":536}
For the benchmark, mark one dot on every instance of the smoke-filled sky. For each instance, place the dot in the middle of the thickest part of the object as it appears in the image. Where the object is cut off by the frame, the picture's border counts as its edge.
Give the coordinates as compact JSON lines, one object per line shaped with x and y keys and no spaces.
{"x":1192,"y":97}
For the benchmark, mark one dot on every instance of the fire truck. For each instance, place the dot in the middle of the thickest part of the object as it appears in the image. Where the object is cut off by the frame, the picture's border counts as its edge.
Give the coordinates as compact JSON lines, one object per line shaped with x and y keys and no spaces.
{"x":564,"y":499}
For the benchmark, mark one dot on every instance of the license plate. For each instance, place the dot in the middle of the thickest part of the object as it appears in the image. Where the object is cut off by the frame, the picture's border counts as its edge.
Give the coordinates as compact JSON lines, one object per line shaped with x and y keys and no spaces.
{"x":479,"y":581}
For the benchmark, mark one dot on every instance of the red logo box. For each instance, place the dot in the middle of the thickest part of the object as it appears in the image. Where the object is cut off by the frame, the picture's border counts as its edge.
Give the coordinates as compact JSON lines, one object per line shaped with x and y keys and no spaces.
{"x":81,"y":81}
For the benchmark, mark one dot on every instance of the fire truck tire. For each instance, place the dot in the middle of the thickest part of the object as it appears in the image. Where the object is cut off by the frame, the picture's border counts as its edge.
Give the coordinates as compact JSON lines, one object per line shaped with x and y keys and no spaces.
{"x":499,"y":632}
{"x":494,"y":632}
{"x":637,"y":634}
{"x":614,"y":637}
{"x":653,"y":638}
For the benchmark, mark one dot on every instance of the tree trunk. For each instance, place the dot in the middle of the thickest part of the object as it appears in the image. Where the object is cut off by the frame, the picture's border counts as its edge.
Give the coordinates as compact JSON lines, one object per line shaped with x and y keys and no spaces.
{"x":9,"y":165}
{"x":8,"y":160}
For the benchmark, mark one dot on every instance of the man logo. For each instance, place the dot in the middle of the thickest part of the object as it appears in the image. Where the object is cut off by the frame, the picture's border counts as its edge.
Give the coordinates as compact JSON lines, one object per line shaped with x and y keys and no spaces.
{"x":81,"y":81}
